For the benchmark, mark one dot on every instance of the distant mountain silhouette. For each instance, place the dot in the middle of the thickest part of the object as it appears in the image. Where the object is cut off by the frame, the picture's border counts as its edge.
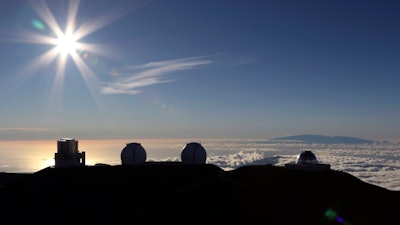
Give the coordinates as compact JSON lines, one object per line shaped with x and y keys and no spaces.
{"x":321,"y":139}
{"x":176,"y":193}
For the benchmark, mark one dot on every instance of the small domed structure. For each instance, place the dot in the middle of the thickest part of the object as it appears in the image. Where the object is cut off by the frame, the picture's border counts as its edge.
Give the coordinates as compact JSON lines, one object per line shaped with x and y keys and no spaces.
{"x":133,"y":153}
{"x":307,"y":161}
{"x":306,"y":157}
{"x":194,"y":153}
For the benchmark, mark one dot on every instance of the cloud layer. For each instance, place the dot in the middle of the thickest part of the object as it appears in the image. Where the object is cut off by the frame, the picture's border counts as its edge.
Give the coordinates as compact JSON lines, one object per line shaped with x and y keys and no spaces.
{"x":377,"y":164}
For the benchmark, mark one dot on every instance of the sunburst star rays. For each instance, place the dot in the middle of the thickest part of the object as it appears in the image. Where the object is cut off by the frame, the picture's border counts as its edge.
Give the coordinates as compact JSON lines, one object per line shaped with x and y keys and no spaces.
{"x":66,"y":44}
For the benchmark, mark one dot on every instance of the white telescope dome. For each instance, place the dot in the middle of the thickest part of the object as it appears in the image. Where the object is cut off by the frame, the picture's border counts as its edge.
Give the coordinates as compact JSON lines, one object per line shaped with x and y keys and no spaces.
{"x":194,"y":153}
{"x":133,"y":153}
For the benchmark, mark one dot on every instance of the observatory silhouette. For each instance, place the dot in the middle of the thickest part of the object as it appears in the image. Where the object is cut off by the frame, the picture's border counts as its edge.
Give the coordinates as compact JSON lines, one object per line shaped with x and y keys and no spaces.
{"x":194,"y":153}
{"x":67,"y":154}
{"x":133,"y":153}
{"x":307,"y":161}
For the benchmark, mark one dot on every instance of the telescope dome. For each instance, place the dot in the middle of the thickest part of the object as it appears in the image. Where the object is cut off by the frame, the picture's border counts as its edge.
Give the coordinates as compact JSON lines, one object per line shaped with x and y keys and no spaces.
{"x":194,"y":153}
{"x":306,"y":157}
{"x":133,"y":153}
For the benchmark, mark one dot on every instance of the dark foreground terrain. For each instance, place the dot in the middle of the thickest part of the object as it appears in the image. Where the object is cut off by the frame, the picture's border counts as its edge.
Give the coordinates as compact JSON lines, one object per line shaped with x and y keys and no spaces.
{"x":175,"y":193}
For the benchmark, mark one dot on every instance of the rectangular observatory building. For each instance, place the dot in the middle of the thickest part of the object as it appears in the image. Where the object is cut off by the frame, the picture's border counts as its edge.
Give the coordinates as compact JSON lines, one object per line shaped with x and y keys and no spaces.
{"x":67,"y":154}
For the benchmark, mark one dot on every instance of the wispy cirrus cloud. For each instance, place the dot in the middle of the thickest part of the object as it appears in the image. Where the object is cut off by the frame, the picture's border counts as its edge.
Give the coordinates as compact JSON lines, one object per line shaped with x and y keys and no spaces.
{"x":150,"y":74}
{"x":32,"y":129}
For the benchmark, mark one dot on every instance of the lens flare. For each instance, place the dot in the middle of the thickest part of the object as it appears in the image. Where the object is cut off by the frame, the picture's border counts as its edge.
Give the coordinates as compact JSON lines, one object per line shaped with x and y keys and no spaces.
{"x":38,"y":25}
{"x":332,"y":215}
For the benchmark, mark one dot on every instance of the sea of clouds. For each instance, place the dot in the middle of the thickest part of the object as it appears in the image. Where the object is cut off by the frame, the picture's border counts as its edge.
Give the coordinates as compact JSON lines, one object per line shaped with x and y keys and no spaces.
{"x":377,"y":163}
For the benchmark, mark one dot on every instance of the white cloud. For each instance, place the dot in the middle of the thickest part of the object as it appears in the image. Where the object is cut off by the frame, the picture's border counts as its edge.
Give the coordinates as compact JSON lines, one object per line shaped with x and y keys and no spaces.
{"x":149,"y":74}
{"x":235,"y":160}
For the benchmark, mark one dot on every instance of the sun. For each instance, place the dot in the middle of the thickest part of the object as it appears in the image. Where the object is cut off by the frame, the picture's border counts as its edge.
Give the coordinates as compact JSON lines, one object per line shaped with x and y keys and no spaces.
{"x":67,"y":44}
{"x":65,"y":36}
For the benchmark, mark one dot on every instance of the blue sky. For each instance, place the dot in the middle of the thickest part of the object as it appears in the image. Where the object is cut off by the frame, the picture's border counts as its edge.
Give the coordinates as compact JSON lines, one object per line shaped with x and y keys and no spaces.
{"x":203,"y":69}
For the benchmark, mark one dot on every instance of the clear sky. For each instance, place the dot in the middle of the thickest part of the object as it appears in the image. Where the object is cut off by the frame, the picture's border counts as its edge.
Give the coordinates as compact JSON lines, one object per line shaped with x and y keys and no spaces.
{"x":210,"y":68}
